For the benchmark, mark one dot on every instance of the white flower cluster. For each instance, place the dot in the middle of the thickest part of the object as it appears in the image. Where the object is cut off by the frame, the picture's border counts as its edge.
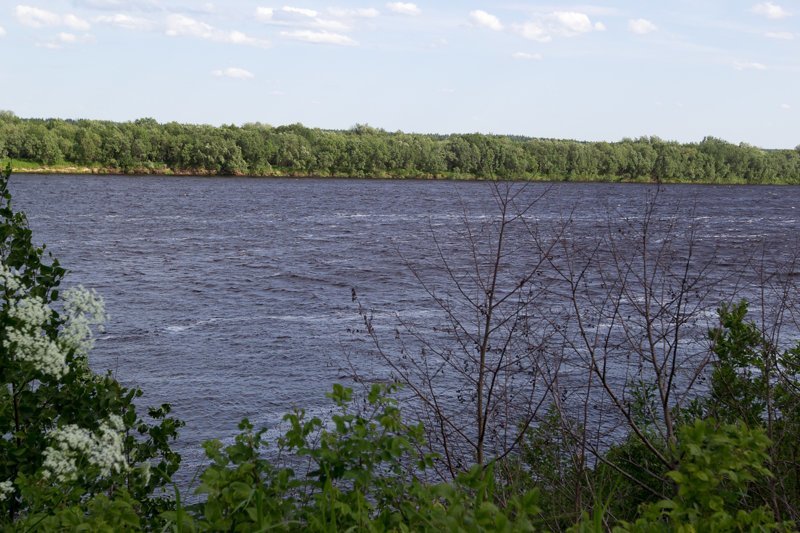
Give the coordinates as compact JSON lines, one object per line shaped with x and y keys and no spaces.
{"x":28,"y":341}
{"x":32,"y":311}
{"x":6,"y":488}
{"x":84,"y":309}
{"x":9,"y":278}
{"x":74,"y":446}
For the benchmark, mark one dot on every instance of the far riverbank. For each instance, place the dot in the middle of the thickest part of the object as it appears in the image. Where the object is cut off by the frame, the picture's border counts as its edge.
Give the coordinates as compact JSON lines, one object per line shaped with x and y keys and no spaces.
{"x":32,"y":167}
{"x":148,"y":147}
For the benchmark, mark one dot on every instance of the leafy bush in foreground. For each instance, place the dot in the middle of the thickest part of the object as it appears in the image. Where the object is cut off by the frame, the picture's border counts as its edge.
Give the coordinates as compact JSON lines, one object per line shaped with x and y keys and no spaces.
{"x":72,"y":443}
{"x":358,"y":474}
{"x":717,"y":464}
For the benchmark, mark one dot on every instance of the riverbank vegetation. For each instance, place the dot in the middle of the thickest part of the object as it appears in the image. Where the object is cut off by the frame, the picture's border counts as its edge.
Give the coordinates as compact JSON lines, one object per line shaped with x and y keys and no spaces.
{"x":146,"y":147}
{"x":530,"y":436}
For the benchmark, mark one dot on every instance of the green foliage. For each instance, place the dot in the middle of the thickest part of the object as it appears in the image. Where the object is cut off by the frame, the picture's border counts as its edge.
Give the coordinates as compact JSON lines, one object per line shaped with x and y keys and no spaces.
{"x":353,"y":467}
{"x":550,"y":462}
{"x":100,"y":514}
{"x":717,"y":462}
{"x":243,"y":491}
{"x":360,"y":473}
{"x":70,"y":437}
{"x":357,"y":478}
{"x":752,"y":378}
{"x":630,"y":476}
{"x":757,"y":382}
{"x":146,"y":146}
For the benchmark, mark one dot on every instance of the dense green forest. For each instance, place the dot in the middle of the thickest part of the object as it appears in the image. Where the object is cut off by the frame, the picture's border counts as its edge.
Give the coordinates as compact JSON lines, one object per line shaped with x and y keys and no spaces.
{"x":146,"y":146}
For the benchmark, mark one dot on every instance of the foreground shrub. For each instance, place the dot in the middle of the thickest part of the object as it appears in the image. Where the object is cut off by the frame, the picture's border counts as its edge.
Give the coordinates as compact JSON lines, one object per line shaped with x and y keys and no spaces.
{"x":718,"y":462}
{"x":72,"y":446}
{"x":359,"y":472}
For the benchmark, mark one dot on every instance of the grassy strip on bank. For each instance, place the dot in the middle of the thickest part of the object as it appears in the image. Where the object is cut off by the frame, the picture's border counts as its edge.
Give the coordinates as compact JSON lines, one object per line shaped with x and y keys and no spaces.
{"x":34,"y":167}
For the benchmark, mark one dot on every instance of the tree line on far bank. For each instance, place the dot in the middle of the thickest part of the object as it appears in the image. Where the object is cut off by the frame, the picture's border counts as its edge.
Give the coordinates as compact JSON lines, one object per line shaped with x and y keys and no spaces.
{"x":146,"y":146}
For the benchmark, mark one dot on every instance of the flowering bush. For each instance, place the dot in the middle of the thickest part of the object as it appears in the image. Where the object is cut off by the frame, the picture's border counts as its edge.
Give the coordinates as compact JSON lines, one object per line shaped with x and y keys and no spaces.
{"x":71,"y":443}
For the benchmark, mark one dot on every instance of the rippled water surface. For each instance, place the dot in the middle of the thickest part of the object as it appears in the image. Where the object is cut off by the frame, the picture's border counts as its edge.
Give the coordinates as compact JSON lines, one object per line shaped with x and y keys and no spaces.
{"x":231,"y":297}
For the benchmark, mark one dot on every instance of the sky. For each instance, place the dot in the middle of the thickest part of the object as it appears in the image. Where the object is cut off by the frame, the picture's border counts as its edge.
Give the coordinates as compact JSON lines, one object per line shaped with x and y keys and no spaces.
{"x":679,"y":69}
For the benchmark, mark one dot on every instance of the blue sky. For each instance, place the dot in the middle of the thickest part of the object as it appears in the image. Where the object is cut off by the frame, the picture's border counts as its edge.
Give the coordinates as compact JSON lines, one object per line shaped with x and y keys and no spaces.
{"x":680,"y":69}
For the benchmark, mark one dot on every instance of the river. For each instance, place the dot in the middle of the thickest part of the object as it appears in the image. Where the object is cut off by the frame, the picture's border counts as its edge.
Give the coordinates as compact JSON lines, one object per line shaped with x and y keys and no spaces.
{"x":231,"y":297}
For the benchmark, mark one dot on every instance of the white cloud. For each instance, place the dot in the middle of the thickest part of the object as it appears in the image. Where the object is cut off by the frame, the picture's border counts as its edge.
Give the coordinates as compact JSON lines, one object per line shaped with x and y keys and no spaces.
{"x":125,"y":22}
{"x":641,"y":26}
{"x":180,"y":25}
{"x":65,"y":38}
{"x":2,"y":31}
{"x":770,"y":10}
{"x":785,"y":106}
{"x":749,"y":65}
{"x":300,"y":18}
{"x":103,"y":4}
{"x":572,"y":22}
{"x":526,"y":56}
{"x":115,"y":5}
{"x":265,"y":14}
{"x":783,"y":35}
{"x":40,"y":18}
{"x":237,"y":37}
{"x":487,"y":20}
{"x":183,"y":26}
{"x":300,"y":11}
{"x":37,"y":18}
{"x":354,"y":13}
{"x":234,"y":72}
{"x":403,"y":8}
{"x":71,"y":21}
{"x":329,"y":24}
{"x":558,"y":24}
{"x":535,"y":31}
{"x":319,"y":37}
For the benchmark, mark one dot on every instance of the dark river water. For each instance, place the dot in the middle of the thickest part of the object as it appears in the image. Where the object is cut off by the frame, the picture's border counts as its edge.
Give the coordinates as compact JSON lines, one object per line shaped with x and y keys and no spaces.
{"x":231,"y":297}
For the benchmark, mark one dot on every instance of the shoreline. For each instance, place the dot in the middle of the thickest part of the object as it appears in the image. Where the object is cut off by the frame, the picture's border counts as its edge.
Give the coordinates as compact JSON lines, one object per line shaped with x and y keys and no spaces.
{"x":78,"y":170}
